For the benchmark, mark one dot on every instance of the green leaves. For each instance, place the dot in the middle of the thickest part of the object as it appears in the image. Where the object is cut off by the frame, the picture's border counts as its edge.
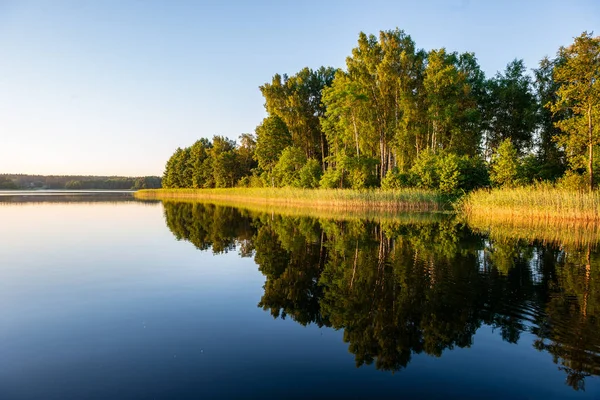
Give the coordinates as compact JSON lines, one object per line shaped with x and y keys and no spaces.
{"x":402,"y":116}
{"x":578,"y":77}
{"x":512,"y":110}
{"x":505,"y":165}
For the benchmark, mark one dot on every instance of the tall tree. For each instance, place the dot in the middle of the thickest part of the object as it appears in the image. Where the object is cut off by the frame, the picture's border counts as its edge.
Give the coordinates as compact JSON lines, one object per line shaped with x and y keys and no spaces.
{"x":173,"y":177}
{"x":199,"y":152}
{"x":579,"y":92}
{"x":272,"y":137}
{"x":550,"y":156}
{"x":225,"y":162}
{"x":375,"y":104}
{"x":245,"y":152}
{"x":513,"y":108}
{"x":297,"y":101}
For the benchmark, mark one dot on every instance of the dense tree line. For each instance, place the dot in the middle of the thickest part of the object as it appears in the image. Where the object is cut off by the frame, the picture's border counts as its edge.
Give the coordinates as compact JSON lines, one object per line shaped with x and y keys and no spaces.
{"x":6,"y":183}
{"x":76,"y":182}
{"x":407,"y":287}
{"x":403,"y":116}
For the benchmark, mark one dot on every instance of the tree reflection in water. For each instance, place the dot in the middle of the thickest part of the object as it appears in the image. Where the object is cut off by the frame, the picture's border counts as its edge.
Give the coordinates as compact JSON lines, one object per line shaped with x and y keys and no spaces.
{"x":403,"y":287}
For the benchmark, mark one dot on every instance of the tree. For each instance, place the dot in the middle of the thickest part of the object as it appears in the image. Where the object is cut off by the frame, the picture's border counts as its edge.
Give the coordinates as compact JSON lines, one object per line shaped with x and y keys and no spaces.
{"x":272,"y":136}
{"x":224,"y":162}
{"x":551,"y":157}
{"x":199,"y":152}
{"x":246,"y":152}
{"x":6,"y":183}
{"x":373,"y":109}
{"x":512,"y":112}
{"x":287,"y":170}
{"x":505,"y":165}
{"x":297,"y":101}
{"x":147,"y":182}
{"x":443,"y":84}
{"x":579,"y":92}
{"x":171,"y":176}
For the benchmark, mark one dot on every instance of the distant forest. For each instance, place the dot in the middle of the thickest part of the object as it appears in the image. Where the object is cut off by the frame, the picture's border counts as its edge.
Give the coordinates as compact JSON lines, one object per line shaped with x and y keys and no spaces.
{"x":400,"y":116}
{"x":74,"y":182}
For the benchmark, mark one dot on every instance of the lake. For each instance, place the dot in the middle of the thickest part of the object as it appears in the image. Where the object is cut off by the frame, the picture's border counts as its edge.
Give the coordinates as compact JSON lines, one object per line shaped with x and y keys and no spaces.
{"x":106,"y":297}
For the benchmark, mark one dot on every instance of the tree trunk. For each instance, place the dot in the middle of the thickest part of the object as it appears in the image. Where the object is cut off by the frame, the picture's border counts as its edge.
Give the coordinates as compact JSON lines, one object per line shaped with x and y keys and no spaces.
{"x":322,"y":151}
{"x":356,"y":136}
{"x":381,"y":157}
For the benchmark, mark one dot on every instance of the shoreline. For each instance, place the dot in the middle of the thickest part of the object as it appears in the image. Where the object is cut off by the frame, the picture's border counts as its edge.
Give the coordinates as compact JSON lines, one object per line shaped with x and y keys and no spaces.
{"x":408,"y":200}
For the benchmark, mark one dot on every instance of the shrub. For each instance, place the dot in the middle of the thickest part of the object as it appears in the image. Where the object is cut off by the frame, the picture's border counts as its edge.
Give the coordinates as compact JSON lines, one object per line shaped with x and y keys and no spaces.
{"x":474,"y":173}
{"x":332,"y":179}
{"x":505,"y":165}
{"x":425,"y":170}
{"x":310,"y":174}
{"x":573,"y":181}
{"x":287,"y":169}
{"x":448,"y":173}
{"x":395,"y":179}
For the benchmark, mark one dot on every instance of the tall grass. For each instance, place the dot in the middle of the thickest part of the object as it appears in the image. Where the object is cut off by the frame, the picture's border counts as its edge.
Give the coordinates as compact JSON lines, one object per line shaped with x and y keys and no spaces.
{"x":542,"y":202}
{"x":322,"y":199}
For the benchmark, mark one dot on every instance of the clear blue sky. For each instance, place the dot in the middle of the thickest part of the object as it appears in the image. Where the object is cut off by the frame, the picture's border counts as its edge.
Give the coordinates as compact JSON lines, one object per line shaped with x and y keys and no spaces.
{"x":113,"y":87}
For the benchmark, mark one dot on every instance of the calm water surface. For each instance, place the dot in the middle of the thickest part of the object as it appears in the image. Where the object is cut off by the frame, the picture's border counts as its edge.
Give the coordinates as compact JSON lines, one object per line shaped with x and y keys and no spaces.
{"x":123,"y":299}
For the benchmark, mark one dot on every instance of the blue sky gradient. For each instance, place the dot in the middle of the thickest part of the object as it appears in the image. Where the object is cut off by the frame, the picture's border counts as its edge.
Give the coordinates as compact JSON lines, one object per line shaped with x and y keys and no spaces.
{"x":113,"y":87}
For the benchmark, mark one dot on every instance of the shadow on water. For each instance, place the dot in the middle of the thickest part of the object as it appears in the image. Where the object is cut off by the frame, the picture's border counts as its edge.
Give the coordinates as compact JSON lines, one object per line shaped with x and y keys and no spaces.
{"x":402,"y":287}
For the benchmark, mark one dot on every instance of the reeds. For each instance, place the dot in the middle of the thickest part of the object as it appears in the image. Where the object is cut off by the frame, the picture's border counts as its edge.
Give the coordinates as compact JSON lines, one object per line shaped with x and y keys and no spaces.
{"x":322,"y":199}
{"x":532,"y":203}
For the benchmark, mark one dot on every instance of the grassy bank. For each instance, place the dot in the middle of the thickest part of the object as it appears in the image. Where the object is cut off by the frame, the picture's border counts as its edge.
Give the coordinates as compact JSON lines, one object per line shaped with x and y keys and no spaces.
{"x":321,"y":199}
{"x":531,"y":204}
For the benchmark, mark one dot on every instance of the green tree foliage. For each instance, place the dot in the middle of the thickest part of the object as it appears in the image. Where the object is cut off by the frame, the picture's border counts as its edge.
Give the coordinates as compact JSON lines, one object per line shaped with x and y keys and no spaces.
{"x":7,"y":184}
{"x":201,"y":172}
{"x":373,"y":106}
{"x":147,"y":182}
{"x":395,"y":102}
{"x":246,"y":154}
{"x":224,"y":162}
{"x":400,"y":116}
{"x":578,"y":77}
{"x":87,"y":182}
{"x":505,"y":165}
{"x":272,"y":137}
{"x":287,"y":170}
{"x":551,"y":157}
{"x":447,"y":172}
{"x":512,"y":108}
{"x":453,"y":117}
{"x":173,"y":176}
{"x":310,"y":174}
{"x":220,"y":163}
{"x":74,"y":185}
{"x":296,"y":100}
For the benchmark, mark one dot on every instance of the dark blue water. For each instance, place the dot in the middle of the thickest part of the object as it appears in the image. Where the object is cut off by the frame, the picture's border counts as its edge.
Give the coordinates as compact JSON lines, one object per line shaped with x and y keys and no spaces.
{"x":122,"y":299}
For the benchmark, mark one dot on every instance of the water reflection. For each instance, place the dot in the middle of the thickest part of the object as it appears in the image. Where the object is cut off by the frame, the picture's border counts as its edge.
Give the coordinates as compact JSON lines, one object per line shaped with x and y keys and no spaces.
{"x":33,"y":197}
{"x":399,"y":288}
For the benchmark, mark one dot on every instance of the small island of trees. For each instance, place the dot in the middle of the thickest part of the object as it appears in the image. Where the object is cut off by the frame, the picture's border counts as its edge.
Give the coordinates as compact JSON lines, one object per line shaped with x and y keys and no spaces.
{"x":401,"y":117}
